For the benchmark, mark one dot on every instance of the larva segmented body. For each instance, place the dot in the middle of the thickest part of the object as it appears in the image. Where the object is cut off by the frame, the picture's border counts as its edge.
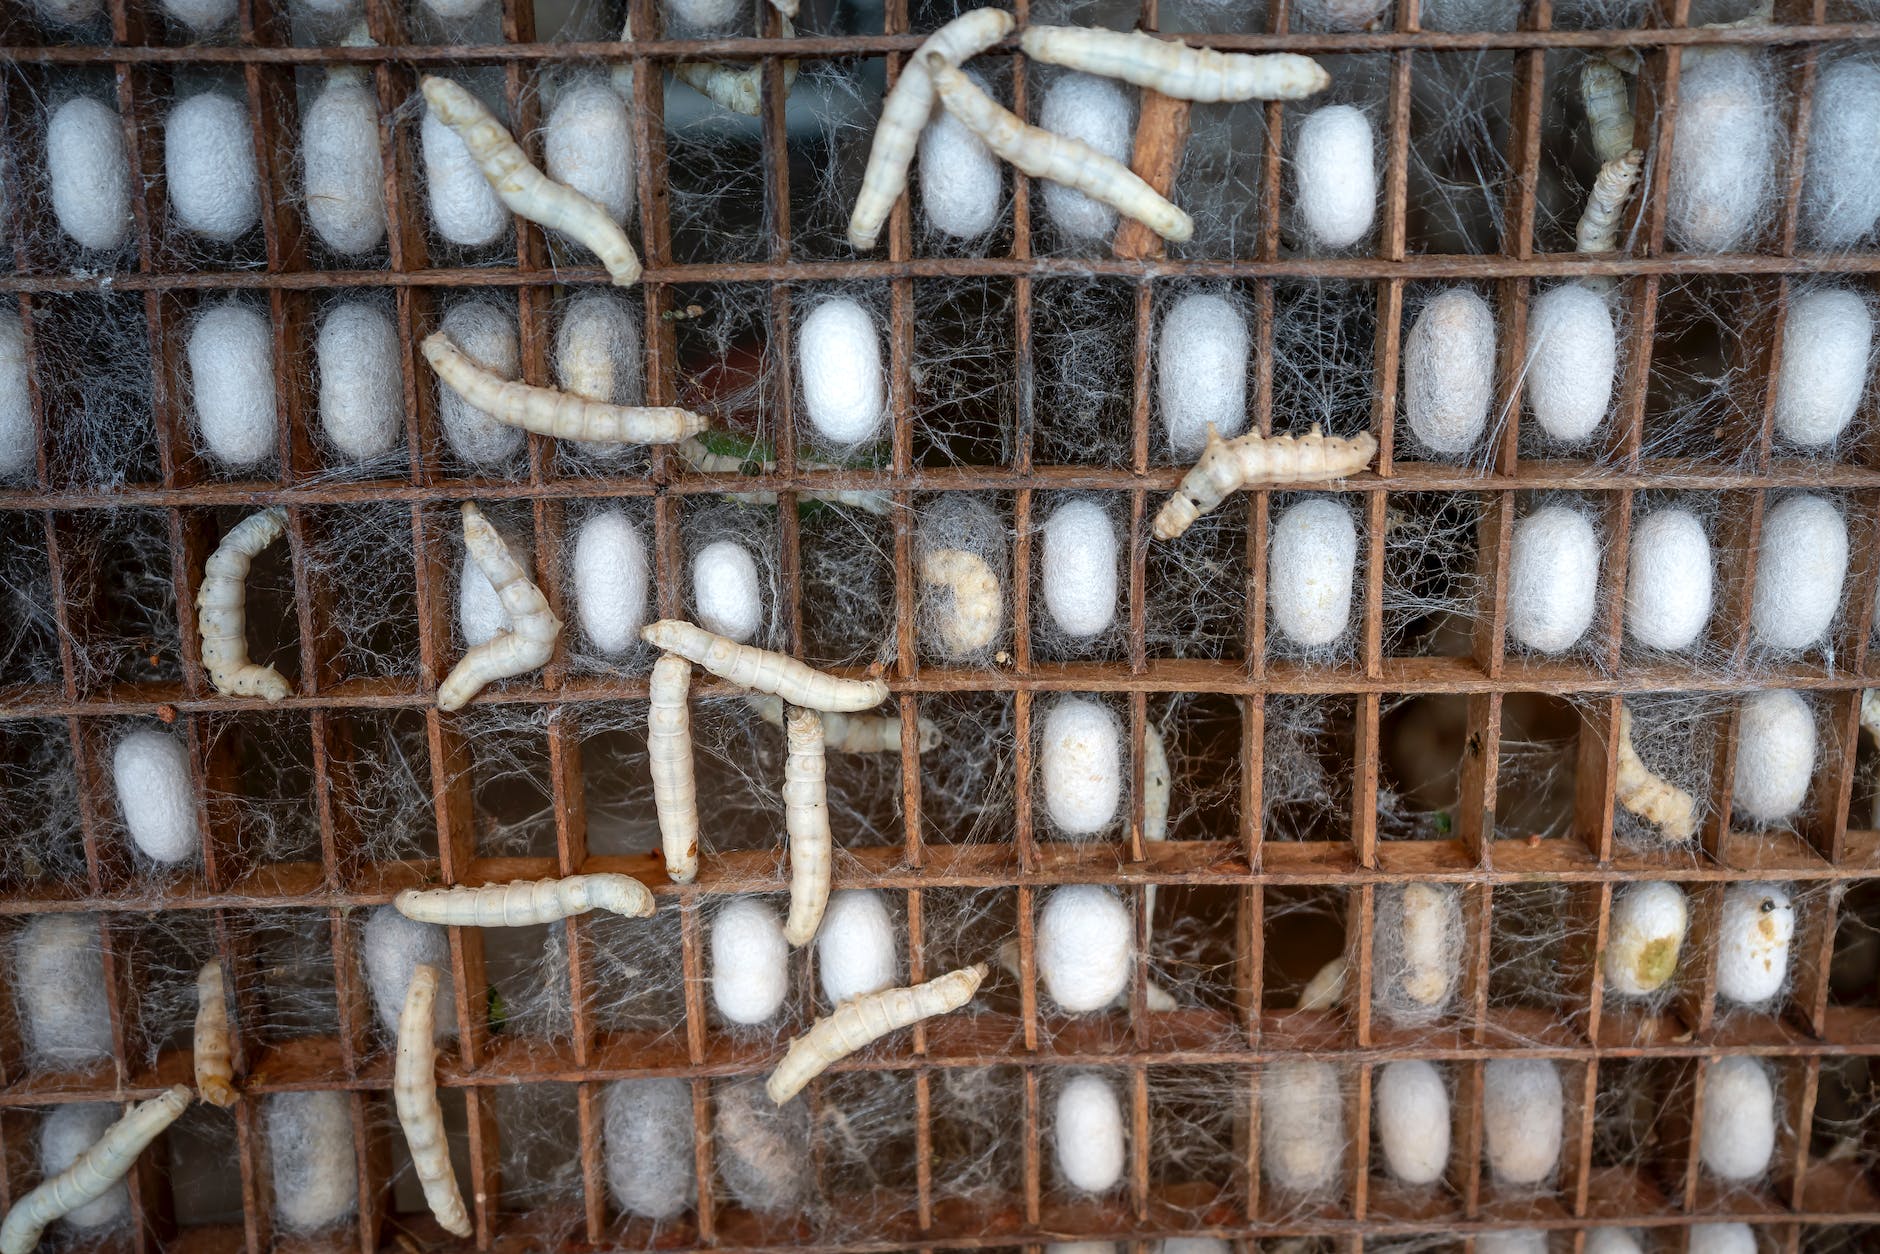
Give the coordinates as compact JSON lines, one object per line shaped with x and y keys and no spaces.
{"x":905,"y":113}
{"x":1173,"y":68}
{"x":221,"y":609}
{"x":669,"y":761}
{"x":806,"y":821}
{"x":414,"y":1093}
{"x":705,"y":462}
{"x":1229,"y":465}
{"x":852,"y":733}
{"x":764,"y":671}
{"x":525,"y":189}
{"x":1044,"y":155}
{"x":1608,"y":109}
{"x":1656,"y":800}
{"x":94,"y":1172}
{"x":525,"y":903}
{"x":215,"y":1078}
{"x":855,"y":1024}
{"x":1598,"y":229}
{"x":545,"y":411}
{"x":529,"y":642}
{"x":977,"y":612}
{"x":739,"y":90}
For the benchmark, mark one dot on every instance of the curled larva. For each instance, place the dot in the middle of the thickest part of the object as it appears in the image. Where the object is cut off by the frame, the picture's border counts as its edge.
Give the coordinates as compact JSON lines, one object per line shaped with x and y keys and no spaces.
{"x":480,"y":612}
{"x":1841,"y":185}
{"x":1449,"y":371}
{"x":155,"y":799}
{"x":1553,"y":579}
{"x":1081,"y":766}
{"x":669,"y":762}
{"x":1523,"y":1117}
{"x":763,"y":670}
{"x":362,"y":384}
{"x":1335,"y":172}
{"x":838,"y":354}
{"x":1302,"y":1126}
{"x":1085,"y":947}
{"x":1668,"y":581}
{"x":1201,"y":372}
{"x":1800,"y":565}
{"x":611,"y":574}
{"x":1739,"y":1118}
{"x":974,"y":604}
{"x":1418,"y":943}
{"x":525,"y":903}
{"x":1412,"y":1110}
{"x":1229,"y":465}
{"x":1314,"y":554}
{"x":344,"y":176}
{"x":414,"y":1092}
{"x":1827,"y":353}
{"x":215,"y":1078}
{"x":1573,"y":353}
{"x":1093,"y":111}
{"x":588,"y":145}
{"x":88,"y":171}
{"x":1174,"y":69}
{"x":960,"y":179}
{"x":1598,"y":228}
{"x":1754,"y":932}
{"x":231,"y":379}
{"x":209,"y":166}
{"x":58,"y":977}
{"x":749,"y":961}
{"x":1648,"y":925}
{"x":221,"y":618}
{"x":310,"y":1153}
{"x":464,"y":207}
{"x":806,"y":822}
{"x":530,"y":640}
{"x":486,"y":334}
{"x":858,"y":1023}
{"x":1775,"y":756}
{"x":1642,"y":792}
{"x":1087,"y":1134}
{"x":1723,"y":149}
{"x":547,"y":412}
{"x":93,"y":1173}
{"x":853,"y":733}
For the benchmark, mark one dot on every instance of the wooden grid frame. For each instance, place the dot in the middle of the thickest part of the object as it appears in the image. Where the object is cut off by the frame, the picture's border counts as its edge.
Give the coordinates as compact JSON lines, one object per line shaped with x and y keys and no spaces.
{"x":1667,"y":1193}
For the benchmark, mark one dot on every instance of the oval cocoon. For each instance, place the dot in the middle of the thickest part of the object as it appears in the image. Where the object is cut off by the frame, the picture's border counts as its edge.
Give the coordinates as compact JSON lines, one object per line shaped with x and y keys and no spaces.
{"x":1722,"y":1239}
{"x":1335,"y":163}
{"x":1800,"y":564}
{"x":597,"y":351}
{"x":464,"y":207}
{"x":589,"y":146}
{"x":486,"y":335}
{"x":856,"y":946}
{"x":960,"y":179}
{"x":1668,"y":580}
{"x":1096,"y":111}
{"x":89,"y":171}
{"x":65,"y":1133}
{"x":726,"y":591}
{"x":1841,"y":183}
{"x":1553,"y":579}
{"x":1512,"y":1241}
{"x":764,"y":1149}
{"x":67,"y":12}
{"x":839,"y":355}
{"x":1413,"y":1120}
{"x":749,"y":961}
{"x":1308,"y":585}
{"x":155,"y":801}
{"x":1827,"y":344}
{"x":1089,"y":1134}
{"x":1739,"y":1118}
{"x":231,"y":376}
{"x":201,"y":16}
{"x":1648,"y":925}
{"x":310,"y":1153}
{"x":1522,"y":1117}
{"x":1081,"y":766}
{"x":1079,"y":565}
{"x":345,"y":180}
{"x":1449,"y":370}
{"x":393,"y":946}
{"x":1573,"y":353}
{"x":362,"y":388}
{"x":1201,"y":372}
{"x":58,"y":979}
{"x":17,"y":439}
{"x":646,"y":1128}
{"x":610,"y":578}
{"x":1417,"y":944}
{"x":1302,"y":1126}
{"x":1775,"y":755}
{"x":1723,"y":150}
{"x":1754,"y":932}
{"x":1612,"y":1241}
{"x":209,"y":165}
{"x":693,"y":16}
{"x":1085,"y":947}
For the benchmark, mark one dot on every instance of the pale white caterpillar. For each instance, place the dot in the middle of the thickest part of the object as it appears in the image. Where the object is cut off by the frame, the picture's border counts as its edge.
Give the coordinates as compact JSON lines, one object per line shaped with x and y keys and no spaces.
{"x":1155,"y":997}
{"x":705,"y":462}
{"x":545,"y":411}
{"x":221,"y":615}
{"x":215,"y":1078}
{"x":1173,"y":68}
{"x":414,"y":1093}
{"x":525,"y":903}
{"x":904,"y":114}
{"x":525,"y":189}
{"x":855,"y":1024}
{"x":806,"y":822}
{"x":852,"y":733}
{"x":1598,"y":229}
{"x":1608,"y":109}
{"x":1656,"y":800}
{"x":533,"y":627}
{"x":764,"y":671}
{"x":1229,"y":465}
{"x":739,"y":90}
{"x":1044,"y":155}
{"x":1326,"y":988}
{"x":978,"y":608}
{"x":669,"y":761}
{"x":92,"y":1173}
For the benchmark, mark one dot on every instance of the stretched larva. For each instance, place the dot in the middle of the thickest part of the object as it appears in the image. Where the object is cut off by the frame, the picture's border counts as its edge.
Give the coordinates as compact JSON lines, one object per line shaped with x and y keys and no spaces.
{"x":209,"y":166}
{"x":88,"y":171}
{"x":525,"y":189}
{"x":1608,"y":110}
{"x":526,"y":903}
{"x":866,"y":1019}
{"x":414,"y":1092}
{"x":215,"y":1078}
{"x":852,"y":733}
{"x":94,"y":1172}
{"x":345,"y":179}
{"x":1173,"y":68}
{"x":1653,"y":798}
{"x":1229,"y":465}
{"x":1598,"y":229}
{"x":976,"y":607}
{"x":904,"y":115}
{"x":806,"y":821}
{"x":548,"y":412}
{"x":669,"y":761}
{"x":221,"y":615}
{"x":764,"y":671}
{"x":1043,"y":155}
{"x":530,"y":640}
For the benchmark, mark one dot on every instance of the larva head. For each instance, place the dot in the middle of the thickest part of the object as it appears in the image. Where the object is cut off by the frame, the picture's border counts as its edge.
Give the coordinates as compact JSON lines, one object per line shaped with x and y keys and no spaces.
{"x":451,"y":103}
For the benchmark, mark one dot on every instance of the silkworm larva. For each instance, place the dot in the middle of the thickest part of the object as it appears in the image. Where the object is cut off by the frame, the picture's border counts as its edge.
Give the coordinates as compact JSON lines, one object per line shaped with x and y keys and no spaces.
{"x":1326,"y":988}
{"x":1043,"y":155}
{"x":904,"y":115}
{"x":414,"y":1092}
{"x":1229,"y":465}
{"x":1598,"y":231}
{"x":852,"y":733}
{"x":739,"y":89}
{"x":548,"y":412}
{"x":764,"y":671}
{"x":525,"y":189}
{"x":1155,"y":997}
{"x":855,"y":1024}
{"x":221,"y":617}
{"x":978,"y":609}
{"x":94,"y":1171}
{"x":806,"y":821}
{"x":214,"y":1076}
{"x":705,"y":462}
{"x":525,"y":903}
{"x":1173,"y":68}
{"x":1608,"y":109}
{"x":530,"y":640}
{"x":669,"y":760}
{"x":1652,"y":798}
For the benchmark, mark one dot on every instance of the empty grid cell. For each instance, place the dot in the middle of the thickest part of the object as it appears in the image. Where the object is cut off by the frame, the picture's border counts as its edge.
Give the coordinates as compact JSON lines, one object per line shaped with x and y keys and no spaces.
{"x":965,"y":373}
{"x":976,"y":1111}
{"x":1535,"y":776}
{"x":1196,"y":588}
{"x":31,"y":630}
{"x":258,"y":778}
{"x":1324,"y":350}
{"x":846,"y":559}
{"x":39,"y":792}
{"x":286,"y":987}
{"x":1305,"y":793}
{"x":510,"y":804}
{"x":369,"y":600}
{"x":1459,"y":163}
{"x":1082,"y":337}
{"x":617,"y":793}
{"x":1702,"y":399}
{"x":968,"y":789}
{"x":1202,"y":737}
{"x":91,"y":364}
{"x":1433,"y":575}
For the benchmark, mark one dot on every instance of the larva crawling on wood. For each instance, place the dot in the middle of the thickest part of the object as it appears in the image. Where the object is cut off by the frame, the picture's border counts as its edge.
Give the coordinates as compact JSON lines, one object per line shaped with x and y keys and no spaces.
{"x":525,"y":189}
{"x":530,"y":640}
{"x":852,"y":733}
{"x":1173,"y":68}
{"x":525,"y":903}
{"x":1155,"y":997}
{"x":669,"y":761}
{"x":855,"y":1024}
{"x":904,"y":115}
{"x":971,"y":621}
{"x":701,"y":460}
{"x":1608,"y":109}
{"x":221,"y":617}
{"x":1652,"y":798}
{"x":764,"y":671}
{"x":806,"y":822}
{"x":1043,"y":155}
{"x":1229,"y":465}
{"x":93,"y":1173}
{"x":545,"y":411}
{"x":215,"y":1078}
{"x":1598,"y":229}
{"x":414,"y":1092}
